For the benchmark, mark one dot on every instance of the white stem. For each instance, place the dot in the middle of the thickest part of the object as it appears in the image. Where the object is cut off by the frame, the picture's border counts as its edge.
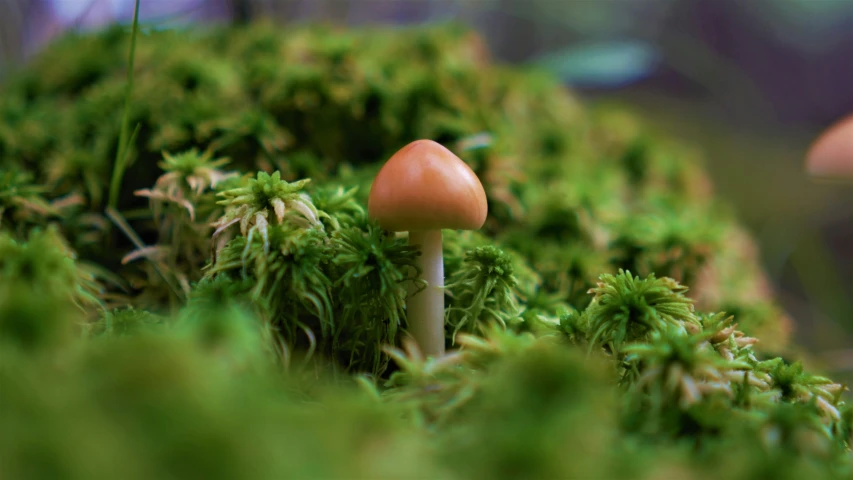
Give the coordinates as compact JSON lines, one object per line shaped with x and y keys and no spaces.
{"x":425,"y":309}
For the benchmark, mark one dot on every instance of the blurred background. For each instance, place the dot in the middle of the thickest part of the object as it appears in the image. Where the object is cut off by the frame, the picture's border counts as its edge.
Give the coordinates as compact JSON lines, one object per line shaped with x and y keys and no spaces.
{"x":751,"y":83}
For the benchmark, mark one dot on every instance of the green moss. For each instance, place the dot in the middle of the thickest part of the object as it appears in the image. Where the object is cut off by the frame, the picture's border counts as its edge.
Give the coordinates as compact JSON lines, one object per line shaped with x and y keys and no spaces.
{"x":242,"y":321}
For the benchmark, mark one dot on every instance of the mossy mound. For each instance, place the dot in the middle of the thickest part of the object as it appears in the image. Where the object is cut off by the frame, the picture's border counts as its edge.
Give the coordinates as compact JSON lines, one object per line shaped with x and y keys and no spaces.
{"x":232,"y":318}
{"x":575,"y":193}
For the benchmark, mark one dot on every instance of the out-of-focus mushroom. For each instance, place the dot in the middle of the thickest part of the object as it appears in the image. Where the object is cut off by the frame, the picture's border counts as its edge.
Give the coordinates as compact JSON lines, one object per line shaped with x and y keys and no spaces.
{"x":422,"y":189}
{"x":831,"y":155}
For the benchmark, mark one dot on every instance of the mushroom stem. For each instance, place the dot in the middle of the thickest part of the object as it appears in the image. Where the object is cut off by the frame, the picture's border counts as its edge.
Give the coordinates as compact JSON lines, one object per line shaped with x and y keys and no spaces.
{"x":425,"y":309}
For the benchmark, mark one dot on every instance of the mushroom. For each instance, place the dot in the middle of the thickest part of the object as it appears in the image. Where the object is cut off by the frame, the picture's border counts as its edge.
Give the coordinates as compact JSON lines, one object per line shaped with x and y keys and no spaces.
{"x":831,"y":155}
{"x":422,"y":189}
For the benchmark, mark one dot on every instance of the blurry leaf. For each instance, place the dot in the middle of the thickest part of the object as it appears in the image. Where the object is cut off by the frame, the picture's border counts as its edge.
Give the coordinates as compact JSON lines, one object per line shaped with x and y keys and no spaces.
{"x":603,"y":64}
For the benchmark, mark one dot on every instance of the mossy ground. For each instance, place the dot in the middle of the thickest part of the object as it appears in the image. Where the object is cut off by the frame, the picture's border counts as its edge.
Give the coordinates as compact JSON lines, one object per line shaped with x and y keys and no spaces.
{"x":231,"y":319}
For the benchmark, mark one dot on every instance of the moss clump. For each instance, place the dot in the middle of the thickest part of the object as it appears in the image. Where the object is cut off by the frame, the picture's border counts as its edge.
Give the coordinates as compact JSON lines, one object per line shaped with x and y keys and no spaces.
{"x":231,"y":301}
{"x":575,"y":193}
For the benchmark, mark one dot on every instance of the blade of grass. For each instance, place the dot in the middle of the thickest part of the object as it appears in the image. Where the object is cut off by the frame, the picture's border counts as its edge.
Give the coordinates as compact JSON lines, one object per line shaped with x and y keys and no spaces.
{"x":123,"y":144}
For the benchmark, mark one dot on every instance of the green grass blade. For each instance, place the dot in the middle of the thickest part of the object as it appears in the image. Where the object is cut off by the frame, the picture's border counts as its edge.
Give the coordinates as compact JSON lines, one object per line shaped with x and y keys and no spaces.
{"x":121,"y":153}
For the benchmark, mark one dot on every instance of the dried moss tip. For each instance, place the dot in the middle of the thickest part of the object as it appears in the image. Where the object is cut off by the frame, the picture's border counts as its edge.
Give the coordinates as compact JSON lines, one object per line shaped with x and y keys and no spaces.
{"x":262,"y":199}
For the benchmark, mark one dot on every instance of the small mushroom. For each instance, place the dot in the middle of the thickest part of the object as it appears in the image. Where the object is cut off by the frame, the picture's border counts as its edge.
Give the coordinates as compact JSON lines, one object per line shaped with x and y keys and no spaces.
{"x":422,"y":189}
{"x":831,"y":155}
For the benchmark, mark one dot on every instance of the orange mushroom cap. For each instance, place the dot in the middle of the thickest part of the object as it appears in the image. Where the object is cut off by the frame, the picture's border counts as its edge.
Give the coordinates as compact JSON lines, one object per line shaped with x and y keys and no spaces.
{"x":424,"y":186}
{"x":831,"y":155}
